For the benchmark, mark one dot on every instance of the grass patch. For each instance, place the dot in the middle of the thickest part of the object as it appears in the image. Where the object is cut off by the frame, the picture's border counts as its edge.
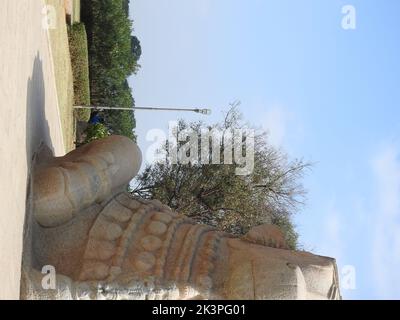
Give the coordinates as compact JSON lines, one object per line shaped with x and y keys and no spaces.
{"x":80,"y":69}
{"x":63,"y":73}
{"x":76,"y":9}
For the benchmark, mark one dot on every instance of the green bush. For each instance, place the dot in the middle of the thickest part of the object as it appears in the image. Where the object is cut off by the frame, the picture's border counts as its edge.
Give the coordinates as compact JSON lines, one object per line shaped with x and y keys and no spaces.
{"x":96,"y":131}
{"x":120,"y":122}
{"x":80,"y":69}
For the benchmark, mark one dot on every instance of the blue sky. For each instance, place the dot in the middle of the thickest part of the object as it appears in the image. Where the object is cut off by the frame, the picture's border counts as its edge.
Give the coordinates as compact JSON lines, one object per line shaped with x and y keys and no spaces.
{"x":328,"y":95}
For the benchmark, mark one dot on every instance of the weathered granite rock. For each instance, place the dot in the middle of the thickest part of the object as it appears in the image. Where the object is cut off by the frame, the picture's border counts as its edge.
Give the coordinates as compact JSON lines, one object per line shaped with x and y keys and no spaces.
{"x":105,"y":244}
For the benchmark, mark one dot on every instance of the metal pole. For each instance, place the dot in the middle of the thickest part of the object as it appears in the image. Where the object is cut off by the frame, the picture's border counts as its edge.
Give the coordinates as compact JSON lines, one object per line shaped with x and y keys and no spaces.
{"x":203,"y":111}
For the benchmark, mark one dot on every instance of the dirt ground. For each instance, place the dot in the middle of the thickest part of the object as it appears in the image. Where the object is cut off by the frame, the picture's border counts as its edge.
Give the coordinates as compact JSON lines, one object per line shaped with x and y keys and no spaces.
{"x":30,"y":114}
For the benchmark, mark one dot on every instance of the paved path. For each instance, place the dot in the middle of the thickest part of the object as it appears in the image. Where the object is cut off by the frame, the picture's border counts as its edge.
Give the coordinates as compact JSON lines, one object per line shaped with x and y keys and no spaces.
{"x":28,"y":115}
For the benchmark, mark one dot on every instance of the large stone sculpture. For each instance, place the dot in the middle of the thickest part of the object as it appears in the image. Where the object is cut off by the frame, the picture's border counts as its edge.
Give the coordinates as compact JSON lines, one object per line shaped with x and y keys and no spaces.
{"x":105,"y":244}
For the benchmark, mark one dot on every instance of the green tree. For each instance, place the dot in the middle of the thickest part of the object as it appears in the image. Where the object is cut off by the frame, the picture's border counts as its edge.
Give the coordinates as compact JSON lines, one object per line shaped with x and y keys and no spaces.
{"x":215,"y":195}
{"x":136,"y":48}
{"x":113,"y":57}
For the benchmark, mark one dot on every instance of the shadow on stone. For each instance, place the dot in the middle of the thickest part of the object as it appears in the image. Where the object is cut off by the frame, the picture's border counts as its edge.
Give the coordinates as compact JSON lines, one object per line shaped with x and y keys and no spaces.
{"x":37,"y":138}
{"x":37,"y":127}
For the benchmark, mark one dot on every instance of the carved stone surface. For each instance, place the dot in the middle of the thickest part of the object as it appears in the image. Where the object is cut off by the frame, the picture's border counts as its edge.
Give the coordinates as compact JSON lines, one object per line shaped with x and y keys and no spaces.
{"x":105,"y":244}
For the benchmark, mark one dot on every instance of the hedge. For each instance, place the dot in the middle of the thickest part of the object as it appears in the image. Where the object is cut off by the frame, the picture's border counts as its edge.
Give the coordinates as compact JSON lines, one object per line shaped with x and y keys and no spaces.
{"x":80,"y":69}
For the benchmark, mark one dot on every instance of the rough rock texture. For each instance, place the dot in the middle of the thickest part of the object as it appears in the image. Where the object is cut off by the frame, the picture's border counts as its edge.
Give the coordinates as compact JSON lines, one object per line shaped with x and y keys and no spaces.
{"x":105,"y":244}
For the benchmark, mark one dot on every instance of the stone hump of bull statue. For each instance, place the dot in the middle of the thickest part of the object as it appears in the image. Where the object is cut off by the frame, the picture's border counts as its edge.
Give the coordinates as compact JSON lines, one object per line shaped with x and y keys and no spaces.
{"x":103,"y":243}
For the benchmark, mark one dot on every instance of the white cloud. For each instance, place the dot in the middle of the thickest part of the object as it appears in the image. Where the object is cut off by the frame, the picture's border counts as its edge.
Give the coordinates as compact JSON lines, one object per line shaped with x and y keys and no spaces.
{"x":386,"y":237}
{"x":275,"y":123}
{"x":332,"y":227}
{"x":332,"y":242}
{"x":284,"y":126}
